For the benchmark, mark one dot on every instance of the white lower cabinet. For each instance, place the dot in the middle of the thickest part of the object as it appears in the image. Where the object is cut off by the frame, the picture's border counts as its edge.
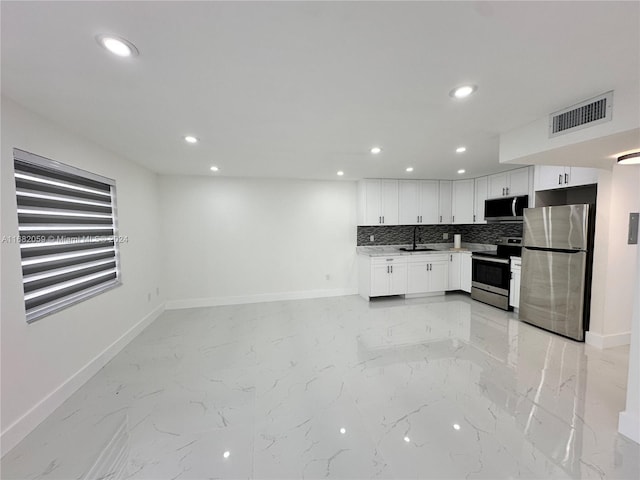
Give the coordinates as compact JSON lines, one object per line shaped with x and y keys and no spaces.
{"x":388,"y":276}
{"x":465,"y":271}
{"x":428,"y":273}
{"x":403,"y":274}
{"x":454,"y":271}
{"x":514,"y":283}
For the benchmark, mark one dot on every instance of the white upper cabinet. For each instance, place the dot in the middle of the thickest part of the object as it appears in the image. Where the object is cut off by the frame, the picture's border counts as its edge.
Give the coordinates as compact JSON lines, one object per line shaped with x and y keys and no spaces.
{"x":462,"y":201}
{"x":549,"y":177}
{"x":389,"y":207}
{"x":508,"y":184}
{"x":418,"y":202}
{"x":378,"y":202}
{"x":408,"y":202}
{"x":481,"y":191}
{"x":429,"y":200}
{"x":518,"y":182}
{"x":444,"y":215}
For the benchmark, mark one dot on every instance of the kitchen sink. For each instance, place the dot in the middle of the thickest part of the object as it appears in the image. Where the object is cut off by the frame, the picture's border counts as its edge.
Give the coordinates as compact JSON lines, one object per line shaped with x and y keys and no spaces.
{"x":417,"y":249}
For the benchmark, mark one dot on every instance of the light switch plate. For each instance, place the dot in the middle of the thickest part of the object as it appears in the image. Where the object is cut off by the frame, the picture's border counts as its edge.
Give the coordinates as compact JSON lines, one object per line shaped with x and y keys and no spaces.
{"x":633,"y":228}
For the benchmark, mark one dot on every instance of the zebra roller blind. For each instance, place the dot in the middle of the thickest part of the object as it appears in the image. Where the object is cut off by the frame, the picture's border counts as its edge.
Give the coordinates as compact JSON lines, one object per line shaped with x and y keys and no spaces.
{"x":67,"y":233}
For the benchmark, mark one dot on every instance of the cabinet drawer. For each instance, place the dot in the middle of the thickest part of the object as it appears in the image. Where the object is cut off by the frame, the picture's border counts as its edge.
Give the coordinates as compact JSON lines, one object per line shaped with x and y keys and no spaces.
{"x":389,"y":260}
{"x":429,"y":258}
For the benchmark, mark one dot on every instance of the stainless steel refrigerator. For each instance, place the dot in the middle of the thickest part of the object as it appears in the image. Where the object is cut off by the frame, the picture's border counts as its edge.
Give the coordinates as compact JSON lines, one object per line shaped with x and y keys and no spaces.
{"x":555,"y":286}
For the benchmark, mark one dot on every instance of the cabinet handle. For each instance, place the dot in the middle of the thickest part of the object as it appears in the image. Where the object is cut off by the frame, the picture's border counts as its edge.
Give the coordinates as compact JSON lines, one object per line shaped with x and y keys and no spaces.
{"x":474,"y":218}
{"x":418,"y":219}
{"x":379,"y":219}
{"x":440,"y":218}
{"x":383,"y":219}
{"x":507,"y":190}
{"x":560,"y":179}
{"x":391,"y":268}
{"x":453,"y":219}
{"x":451,"y":258}
{"x":387,"y":268}
{"x":566,"y":178}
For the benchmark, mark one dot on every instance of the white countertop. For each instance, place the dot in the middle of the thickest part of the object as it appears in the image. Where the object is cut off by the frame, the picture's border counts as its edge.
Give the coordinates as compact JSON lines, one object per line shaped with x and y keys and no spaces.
{"x":382,"y":250}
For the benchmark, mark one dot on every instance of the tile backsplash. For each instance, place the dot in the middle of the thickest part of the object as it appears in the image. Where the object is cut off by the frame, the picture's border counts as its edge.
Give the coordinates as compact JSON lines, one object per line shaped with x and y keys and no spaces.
{"x":403,"y":234}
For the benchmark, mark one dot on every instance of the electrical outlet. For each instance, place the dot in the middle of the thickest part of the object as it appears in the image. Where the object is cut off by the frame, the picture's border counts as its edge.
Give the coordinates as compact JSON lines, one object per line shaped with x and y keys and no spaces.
{"x":445,"y":236}
{"x":371,"y":238}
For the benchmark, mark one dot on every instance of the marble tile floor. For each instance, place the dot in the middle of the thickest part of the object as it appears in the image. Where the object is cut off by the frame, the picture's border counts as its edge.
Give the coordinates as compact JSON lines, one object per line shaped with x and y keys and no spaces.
{"x":442,"y":387}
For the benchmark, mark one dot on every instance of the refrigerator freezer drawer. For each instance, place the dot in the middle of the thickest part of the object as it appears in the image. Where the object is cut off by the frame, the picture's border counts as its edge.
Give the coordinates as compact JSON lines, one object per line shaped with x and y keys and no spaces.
{"x":552,"y":291}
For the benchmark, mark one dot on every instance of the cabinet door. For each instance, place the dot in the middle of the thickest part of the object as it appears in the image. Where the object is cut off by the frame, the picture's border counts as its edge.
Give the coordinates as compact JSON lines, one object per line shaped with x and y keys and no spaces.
{"x":497,"y":185}
{"x":380,"y":280}
{"x":465,"y":272}
{"x":514,"y":289}
{"x":581,"y":176}
{"x":428,"y":209}
{"x":518,"y":183}
{"x":444,"y":201}
{"x":439,"y":276}
{"x":398,"y":279}
{"x":454,"y":271}
{"x":408,"y":202}
{"x":548,"y":177}
{"x":481,"y":194}
{"x":372,"y":202}
{"x":418,"y":277}
{"x":389,"y":202}
{"x":462,"y":201}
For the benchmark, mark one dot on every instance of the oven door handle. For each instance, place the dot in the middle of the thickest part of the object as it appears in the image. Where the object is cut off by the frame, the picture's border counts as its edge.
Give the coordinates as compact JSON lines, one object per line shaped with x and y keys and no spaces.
{"x":513,"y":206}
{"x":494,"y":260}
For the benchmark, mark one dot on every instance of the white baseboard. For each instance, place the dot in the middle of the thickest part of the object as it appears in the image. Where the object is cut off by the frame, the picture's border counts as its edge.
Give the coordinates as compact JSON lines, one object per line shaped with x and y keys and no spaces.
{"x":607,"y":341}
{"x":257,"y":298}
{"x":629,"y":425}
{"x":19,"y":429}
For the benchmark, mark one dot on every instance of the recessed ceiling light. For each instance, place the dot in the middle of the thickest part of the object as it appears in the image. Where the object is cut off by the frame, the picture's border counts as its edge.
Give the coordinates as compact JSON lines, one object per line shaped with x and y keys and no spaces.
{"x":461,"y":171}
{"x":117,"y":45}
{"x":409,"y":169}
{"x":461,"y":149}
{"x":340,"y":173}
{"x":463,"y":91}
{"x":629,"y":159}
{"x":407,"y":439}
{"x":191,"y":139}
{"x":214,"y":168}
{"x":456,"y":426}
{"x":343,"y":430}
{"x":226,"y":454}
{"x":376,"y":150}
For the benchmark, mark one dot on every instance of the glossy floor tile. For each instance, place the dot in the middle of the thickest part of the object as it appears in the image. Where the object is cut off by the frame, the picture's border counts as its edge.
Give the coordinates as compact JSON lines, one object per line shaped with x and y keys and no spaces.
{"x":443,"y":387}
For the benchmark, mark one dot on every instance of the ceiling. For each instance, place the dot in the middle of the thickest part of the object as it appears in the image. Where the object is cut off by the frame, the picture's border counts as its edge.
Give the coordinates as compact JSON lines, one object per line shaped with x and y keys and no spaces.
{"x":304,"y":89}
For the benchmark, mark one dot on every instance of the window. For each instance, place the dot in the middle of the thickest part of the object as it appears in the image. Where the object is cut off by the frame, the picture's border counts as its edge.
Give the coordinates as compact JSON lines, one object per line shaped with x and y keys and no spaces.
{"x":67,"y":233}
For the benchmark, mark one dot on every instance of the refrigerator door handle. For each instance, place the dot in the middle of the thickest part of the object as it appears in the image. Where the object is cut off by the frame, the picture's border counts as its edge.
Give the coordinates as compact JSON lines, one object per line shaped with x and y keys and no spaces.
{"x":513,"y":206}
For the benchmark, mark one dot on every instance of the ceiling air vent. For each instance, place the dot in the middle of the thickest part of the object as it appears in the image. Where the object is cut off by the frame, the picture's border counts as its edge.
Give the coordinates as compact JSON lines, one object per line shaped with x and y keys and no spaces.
{"x":582,"y":115}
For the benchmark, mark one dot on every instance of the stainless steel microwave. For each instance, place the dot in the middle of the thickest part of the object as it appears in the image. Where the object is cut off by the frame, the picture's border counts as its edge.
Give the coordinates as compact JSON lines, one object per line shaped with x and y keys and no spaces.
{"x":505,"y":209}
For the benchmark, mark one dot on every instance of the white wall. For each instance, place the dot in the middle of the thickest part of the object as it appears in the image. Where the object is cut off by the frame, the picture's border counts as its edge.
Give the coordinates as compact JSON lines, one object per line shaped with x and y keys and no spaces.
{"x":231,"y":240}
{"x":629,"y":423}
{"x":44,"y":362}
{"x":614,"y":264}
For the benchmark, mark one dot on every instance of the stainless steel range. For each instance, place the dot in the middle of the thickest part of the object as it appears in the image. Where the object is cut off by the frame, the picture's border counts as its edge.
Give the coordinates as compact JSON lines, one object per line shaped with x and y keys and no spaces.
{"x":491,"y":272}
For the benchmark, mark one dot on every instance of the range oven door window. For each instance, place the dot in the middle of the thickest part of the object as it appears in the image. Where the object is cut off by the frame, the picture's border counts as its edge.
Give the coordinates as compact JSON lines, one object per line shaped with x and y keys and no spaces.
{"x":491,"y":274}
